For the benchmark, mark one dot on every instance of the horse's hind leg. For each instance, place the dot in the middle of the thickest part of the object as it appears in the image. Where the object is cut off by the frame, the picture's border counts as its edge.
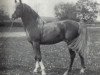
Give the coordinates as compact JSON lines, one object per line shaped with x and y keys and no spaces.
{"x":72,"y":56}
{"x":38,"y":58}
{"x":82,"y":62}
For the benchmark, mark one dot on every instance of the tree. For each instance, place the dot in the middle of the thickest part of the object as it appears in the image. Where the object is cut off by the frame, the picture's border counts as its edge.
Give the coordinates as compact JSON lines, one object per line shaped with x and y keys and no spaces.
{"x":87,"y":10}
{"x":3,"y":15}
{"x":65,"y":11}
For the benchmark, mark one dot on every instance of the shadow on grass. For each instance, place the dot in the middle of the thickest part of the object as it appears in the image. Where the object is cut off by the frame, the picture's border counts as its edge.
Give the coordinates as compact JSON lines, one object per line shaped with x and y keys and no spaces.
{"x":60,"y":71}
{"x":16,"y":70}
{"x":24,"y":70}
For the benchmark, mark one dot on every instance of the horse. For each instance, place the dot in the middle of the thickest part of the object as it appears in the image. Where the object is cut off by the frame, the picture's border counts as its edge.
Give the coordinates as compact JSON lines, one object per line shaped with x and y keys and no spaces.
{"x":40,"y":33}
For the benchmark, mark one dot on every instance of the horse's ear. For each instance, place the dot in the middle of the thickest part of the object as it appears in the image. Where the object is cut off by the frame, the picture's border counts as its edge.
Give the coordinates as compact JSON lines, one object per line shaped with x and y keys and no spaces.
{"x":20,"y":1}
{"x":15,"y":1}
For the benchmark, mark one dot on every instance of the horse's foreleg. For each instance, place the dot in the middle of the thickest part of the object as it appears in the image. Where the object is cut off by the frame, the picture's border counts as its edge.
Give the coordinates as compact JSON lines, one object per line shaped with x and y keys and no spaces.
{"x":36,"y":67}
{"x":38,"y":58}
{"x":72,"y":56}
{"x":82,"y":62}
{"x":37,"y":53}
{"x":42,"y":68}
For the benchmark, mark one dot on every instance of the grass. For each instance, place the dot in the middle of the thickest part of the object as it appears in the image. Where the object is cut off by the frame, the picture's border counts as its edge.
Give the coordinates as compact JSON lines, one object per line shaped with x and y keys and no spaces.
{"x":17,"y":56}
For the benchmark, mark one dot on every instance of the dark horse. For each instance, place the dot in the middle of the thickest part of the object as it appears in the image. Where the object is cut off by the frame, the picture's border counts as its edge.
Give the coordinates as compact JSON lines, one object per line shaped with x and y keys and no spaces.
{"x":40,"y":33}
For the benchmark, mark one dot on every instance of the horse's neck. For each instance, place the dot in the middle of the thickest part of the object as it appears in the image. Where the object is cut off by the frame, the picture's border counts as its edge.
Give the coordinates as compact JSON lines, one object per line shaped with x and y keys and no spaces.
{"x":28,"y":20}
{"x":33,"y":24}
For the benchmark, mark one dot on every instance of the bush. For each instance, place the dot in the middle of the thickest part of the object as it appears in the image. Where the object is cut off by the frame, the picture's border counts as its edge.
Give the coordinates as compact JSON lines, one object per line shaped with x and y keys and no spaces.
{"x":65,"y":11}
{"x":85,"y":10}
{"x":3,"y":15}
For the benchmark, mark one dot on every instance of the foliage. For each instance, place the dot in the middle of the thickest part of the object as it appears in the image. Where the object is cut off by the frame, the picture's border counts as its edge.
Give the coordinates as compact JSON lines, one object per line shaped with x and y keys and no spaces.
{"x":83,"y":10}
{"x":3,"y":15}
{"x":87,"y":10}
{"x":65,"y":11}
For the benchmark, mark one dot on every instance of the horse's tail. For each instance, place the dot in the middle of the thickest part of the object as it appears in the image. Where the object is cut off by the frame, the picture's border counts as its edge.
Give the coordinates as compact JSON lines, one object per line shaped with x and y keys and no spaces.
{"x":80,"y":43}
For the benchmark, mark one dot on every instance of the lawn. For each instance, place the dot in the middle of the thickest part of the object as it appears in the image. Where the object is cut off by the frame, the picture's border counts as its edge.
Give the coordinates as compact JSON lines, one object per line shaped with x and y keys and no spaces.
{"x":17,"y":56}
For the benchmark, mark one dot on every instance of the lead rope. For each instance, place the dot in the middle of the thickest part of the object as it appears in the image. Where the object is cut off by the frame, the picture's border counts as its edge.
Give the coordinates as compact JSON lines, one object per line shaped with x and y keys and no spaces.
{"x":3,"y":42}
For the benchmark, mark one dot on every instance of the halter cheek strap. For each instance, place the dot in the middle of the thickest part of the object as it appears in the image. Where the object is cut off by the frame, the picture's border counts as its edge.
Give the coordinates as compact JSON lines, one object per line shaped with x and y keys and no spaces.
{"x":22,"y":10}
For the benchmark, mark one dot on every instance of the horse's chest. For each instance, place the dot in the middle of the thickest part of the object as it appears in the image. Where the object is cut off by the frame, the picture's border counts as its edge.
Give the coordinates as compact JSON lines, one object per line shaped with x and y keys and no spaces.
{"x":33,"y":35}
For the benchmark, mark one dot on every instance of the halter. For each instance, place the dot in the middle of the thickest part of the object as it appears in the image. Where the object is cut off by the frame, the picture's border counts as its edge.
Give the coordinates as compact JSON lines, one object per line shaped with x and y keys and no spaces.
{"x":22,"y":10}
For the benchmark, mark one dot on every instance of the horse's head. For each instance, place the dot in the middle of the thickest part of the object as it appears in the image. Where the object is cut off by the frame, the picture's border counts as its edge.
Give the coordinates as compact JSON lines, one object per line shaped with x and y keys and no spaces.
{"x":18,"y":10}
{"x":25,"y":12}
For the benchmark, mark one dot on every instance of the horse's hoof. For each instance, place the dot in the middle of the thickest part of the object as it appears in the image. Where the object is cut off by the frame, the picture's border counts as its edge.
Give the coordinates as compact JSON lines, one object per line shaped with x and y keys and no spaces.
{"x":35,"y":71}
{"x":82,"y":71}
{"x":43,"y":73}
{"x":66,"y":73}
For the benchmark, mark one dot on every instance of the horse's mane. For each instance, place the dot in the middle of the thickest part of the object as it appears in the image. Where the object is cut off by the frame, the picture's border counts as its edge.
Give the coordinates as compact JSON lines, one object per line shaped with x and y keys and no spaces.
{"x":29,"y":10}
